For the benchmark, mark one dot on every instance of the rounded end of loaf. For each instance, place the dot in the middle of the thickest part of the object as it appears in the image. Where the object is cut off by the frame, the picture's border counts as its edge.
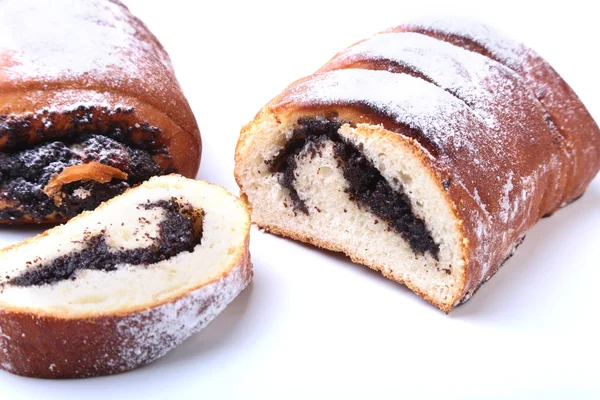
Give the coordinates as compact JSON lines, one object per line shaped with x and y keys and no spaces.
{"x":143,"y":300}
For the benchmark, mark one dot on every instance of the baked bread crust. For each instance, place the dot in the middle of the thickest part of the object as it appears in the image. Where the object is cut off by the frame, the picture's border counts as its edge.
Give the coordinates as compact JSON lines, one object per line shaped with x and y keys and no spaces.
{"x":522,"y":146}
{"x":57,"y":345}
{"x":99,"y":69}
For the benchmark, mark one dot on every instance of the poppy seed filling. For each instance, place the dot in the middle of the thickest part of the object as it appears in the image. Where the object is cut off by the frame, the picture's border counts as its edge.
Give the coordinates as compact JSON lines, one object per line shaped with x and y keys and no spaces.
{"x":25,"y":173}
{"x":365,"y":184}
{"x":180,"y":230}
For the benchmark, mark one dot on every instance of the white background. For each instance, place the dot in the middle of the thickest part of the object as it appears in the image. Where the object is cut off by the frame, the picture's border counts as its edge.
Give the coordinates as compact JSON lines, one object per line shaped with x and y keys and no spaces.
{"x":313,"y":324}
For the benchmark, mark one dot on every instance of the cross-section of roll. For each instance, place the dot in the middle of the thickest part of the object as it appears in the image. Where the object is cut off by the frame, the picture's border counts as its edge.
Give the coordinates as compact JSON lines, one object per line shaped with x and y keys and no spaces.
{"x":89,"y":106}
{"x":421,"y":155}
{"x":118,"y":287}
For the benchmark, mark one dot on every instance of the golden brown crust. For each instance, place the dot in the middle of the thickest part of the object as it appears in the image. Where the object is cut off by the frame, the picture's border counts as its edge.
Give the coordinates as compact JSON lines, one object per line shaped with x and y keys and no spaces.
{"x":133,"y":88}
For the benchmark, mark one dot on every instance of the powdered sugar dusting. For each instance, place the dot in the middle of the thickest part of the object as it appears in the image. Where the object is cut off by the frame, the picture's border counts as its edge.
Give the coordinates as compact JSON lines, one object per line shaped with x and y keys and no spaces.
{"x":76,"y":45}
{"x":3,"y":335}
{"x":443,"y":118}
{"x":40,"y":163}
{"x":473,"y":78}
{"x":88,"y":52}
{"x":497,"y":43}
{"x":505,"y":204}
{"x":111,"y":345}
{"x":150,"y":334}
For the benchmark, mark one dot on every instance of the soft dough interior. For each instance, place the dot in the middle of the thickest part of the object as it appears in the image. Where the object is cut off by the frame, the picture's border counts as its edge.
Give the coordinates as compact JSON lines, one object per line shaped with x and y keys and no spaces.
{"x":331,"y":216}
{"x":127,"y":226}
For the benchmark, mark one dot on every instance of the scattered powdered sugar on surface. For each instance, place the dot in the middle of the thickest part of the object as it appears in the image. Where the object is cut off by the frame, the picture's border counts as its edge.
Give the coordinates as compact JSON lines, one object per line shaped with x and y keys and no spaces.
{"x":505,"y":204}
{"x":81,"y":193}
{"x":478,"y":200}
{"x":71,"y":100}
{"x":4,"y":339}
{"x":52,"y":158}
{"x":3,"y":335}
{"x":103,"y":150}
{"x":95,"y":52}
{"x":563,"y":106}
{"x":497,"y":43}
{"x":69,"y":39}
{"x":150,"y":334}
{"x":472,"y":77}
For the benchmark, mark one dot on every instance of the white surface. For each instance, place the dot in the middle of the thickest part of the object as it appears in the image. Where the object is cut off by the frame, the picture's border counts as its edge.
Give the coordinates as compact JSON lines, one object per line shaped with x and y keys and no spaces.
{"x":314,"y":324}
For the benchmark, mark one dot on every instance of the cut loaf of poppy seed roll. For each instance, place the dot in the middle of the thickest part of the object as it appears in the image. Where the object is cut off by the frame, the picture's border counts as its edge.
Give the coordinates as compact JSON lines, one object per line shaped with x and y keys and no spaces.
{"x":118,"y":287}
{"x":89,"y":106}
{"x":425,"y":152}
